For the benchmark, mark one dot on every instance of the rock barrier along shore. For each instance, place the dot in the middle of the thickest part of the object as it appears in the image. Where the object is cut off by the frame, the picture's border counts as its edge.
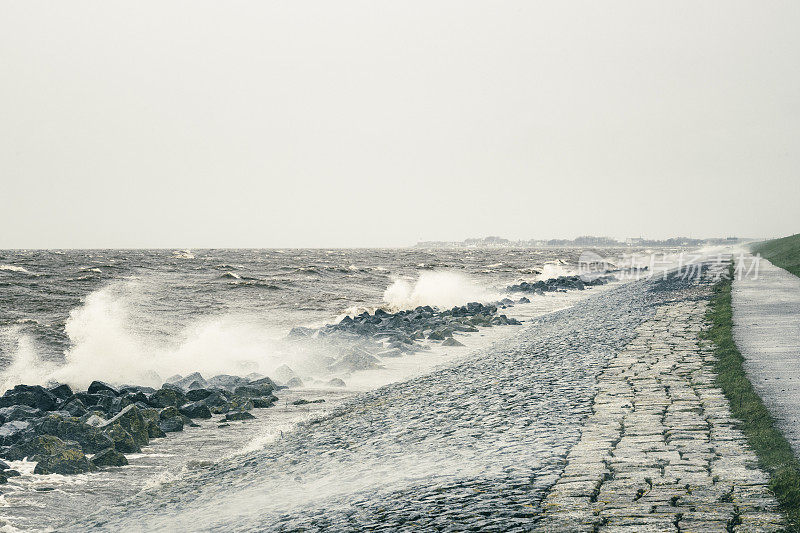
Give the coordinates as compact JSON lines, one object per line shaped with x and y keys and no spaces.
{"x":72,"y":432}
{"x":68,"y":432}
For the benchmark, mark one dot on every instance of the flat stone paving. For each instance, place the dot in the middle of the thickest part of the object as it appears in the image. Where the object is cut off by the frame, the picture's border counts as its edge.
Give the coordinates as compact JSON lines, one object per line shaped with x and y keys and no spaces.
{"x":660,"y":451}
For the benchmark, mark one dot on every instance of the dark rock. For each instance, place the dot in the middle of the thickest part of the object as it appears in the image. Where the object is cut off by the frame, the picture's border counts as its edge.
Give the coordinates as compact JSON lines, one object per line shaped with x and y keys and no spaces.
{"x":11,"y":432}
{"x":62,"y":392}
{"x":109,"y":457}
{"x":171,"y":425}
{"x":196,"y":410}
{"x":75,"y":408}
{"x":119,"y":403}
{"x":98,"y":386}
{"x":523,"y":300}
{"x":132,"y":421}
{"x":166,"y":397}
{"x":263,"y":382}
{"x":68,"y":428}
{"x":216,"y":399}
{"x":123,"y":441}
{"x":226,"y":381}
{"x":169,"y":412}
{"x":30,"y":395}
{"x":52,"y":455}
{"x":239,"y":415}
{"x":253,"y":391}
{"x":19,"y":412}
{"x":336,"y":382}
{"x":261,"y":403}
{"x":4,"y":465}
{"x":303,"y":401}
{"x":154,"y":431}
{"x":197,"y":394}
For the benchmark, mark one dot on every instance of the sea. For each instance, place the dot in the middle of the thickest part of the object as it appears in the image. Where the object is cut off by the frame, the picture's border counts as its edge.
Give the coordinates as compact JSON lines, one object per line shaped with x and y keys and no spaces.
{"x":141,"y":317}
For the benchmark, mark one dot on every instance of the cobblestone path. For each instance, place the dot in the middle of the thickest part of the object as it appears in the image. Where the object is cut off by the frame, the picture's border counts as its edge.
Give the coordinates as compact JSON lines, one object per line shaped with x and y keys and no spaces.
{"x":660,"y":451}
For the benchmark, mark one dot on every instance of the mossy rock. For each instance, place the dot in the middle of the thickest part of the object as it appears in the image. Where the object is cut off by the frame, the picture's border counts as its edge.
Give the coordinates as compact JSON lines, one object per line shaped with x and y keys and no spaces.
{"x":52,"y":455}
{"x":109,"y":457}
{"x":123,"y":441}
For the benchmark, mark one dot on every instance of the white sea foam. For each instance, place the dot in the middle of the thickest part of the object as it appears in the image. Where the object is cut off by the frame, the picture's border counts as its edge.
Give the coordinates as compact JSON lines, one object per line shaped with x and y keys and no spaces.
{"x":15,"y":268}
{"x":554,"y":269}
{"x":436,"y":288}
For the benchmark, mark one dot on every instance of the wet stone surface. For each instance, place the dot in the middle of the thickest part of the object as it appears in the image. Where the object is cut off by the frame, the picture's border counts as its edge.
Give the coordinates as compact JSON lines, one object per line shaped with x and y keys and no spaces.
{"x":660,"y":451}
{"x":569,"y":418}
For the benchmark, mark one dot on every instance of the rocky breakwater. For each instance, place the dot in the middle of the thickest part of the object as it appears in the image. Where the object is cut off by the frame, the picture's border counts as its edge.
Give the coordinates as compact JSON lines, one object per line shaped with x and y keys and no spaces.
{"x":360,"y":342}
{"x":67,"y":432}
{"x":561,"y":284}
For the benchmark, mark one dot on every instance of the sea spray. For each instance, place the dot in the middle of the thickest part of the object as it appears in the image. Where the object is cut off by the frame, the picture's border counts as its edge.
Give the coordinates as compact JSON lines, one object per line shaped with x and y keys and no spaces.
{"x":438,"y":289}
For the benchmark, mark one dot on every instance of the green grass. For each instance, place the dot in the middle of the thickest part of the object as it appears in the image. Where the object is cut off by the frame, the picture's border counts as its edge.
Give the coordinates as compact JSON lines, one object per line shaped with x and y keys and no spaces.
{"x":784,"y":252}
{"x":774,"y":452}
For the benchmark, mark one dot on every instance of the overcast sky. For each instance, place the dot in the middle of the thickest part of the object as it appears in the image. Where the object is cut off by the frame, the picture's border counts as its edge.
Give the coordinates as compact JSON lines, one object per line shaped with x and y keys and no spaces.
{"x":374,"y":123}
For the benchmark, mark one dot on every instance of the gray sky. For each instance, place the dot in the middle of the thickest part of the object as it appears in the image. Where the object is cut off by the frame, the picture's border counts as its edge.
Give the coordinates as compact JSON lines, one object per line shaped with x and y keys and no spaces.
{"x":343,"y":123}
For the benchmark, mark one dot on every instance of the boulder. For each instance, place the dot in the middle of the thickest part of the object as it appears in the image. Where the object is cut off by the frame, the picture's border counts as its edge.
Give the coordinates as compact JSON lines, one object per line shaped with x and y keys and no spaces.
{"x":109,"y":457}
{"x":132,"y":421}
{"x":239,"y":415}
{"x":68,"y":428}
{"x":30,"y":395}
{"x":166,"y":397}
{"x":52,"y":455}
{"x":97,"y":386}
{"x":62,"y":392}
{"x":75,"y":407}
{"x":154,"y":431}
{"x":119,"y":403}
{"x":195,"y":410}
{"x":186,"y":382}
{"x":303,"y":401}
{"x":123,"y":441}
{"x":216,"y":399}
{"x":168,"y":412}
{"x":194,"y":395}
{"x":19,"y":412}
{"x":253,"y":391}
{"x":261,"y":403}
{"x":336,"y":382}
{"x":170,"y":425}
{"x":11,"y":432}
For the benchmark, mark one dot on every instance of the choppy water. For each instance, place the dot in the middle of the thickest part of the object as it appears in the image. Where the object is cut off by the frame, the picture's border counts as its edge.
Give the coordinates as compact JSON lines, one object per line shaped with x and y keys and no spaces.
{"x":140,"y":316}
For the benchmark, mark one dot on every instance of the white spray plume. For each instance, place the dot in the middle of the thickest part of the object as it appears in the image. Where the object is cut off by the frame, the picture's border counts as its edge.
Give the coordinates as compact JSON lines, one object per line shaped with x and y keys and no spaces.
{"x":436,"y":288}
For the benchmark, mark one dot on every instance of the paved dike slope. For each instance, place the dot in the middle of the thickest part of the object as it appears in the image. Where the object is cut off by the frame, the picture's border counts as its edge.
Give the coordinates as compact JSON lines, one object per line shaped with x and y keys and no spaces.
{"x":601,"y":417}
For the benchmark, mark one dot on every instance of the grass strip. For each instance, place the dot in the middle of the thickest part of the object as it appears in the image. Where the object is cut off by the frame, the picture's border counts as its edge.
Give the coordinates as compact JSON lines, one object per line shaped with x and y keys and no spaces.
{"x":774,"y":453}
{"x":784,"y":253}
